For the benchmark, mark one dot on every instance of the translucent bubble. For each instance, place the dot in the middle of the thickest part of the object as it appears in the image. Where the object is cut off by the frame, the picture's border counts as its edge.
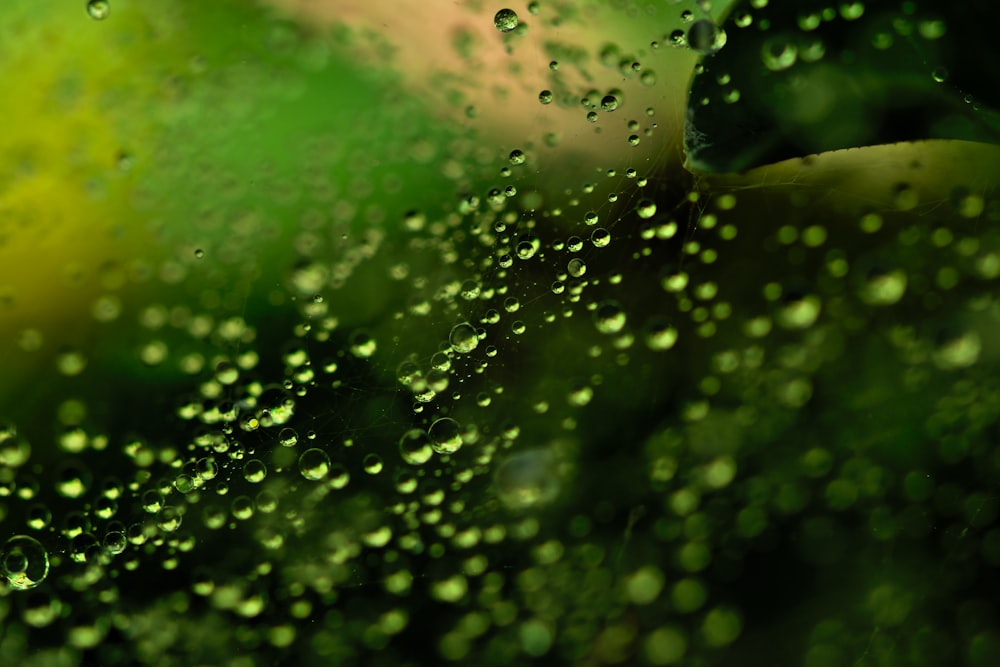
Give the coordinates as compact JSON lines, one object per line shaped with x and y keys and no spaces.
{"x":242,"y":508}
{"x":445,"y":435}
{"x":98,"y":9}
{"x":414,"y":220}
{"x":705,"y":37}
{"x":576,"y":267}
{"x":883,"y":288}
{"x":527,"y":247}
{"x":646,"y":208}
{"x":609,"y":317}
{"x":115,"y":542}
{"x":600,"y":237}
{"x":254,"y":471}
{"x":287,"y":437}
{"x":505,"y":20}
{"x":372,"y":464}
{"x":660,"y":335}
{"x":14,"y":451}
{"x":778,"y":54}
{"x":207,"y":468}
{"x":527,"y":479}
{"x":363,"y":346}
{"x":73,"y":481}
{"x":463,"y":338}
{"x":314,"y":464}
{"x":24,"y":562}
{"x":415,"y":447}
{"x":41,"y":610}
{"x":339,"y":476}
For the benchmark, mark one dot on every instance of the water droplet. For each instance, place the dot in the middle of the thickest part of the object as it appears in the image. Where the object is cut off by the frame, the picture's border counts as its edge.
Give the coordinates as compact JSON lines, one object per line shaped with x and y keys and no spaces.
{"x":646,"y":208}
{"x":199,"y":253}
{"x":705,"y":37}
{"x":98,"y":9}
{"x":609,"y":317}
{"x":660,"y":335}
{"x":254,"y":471}
{"x":363,"y":346}
{"x":610,"y":103}
{"x":778,"y":54}
{"x":527,"y":479}
{"x":576,"y":267}
{"x":517,"y":157}
{"x":372,"y":464}
{"x":463,"y":338}
{"x":287,"y":437}
{"x":505,"y":20}
{"x":445,"y":436}
{"x":545,"y":97}
{"x":24,"y":562}
{"x":415,"y":447}
{"x":314,"y":464}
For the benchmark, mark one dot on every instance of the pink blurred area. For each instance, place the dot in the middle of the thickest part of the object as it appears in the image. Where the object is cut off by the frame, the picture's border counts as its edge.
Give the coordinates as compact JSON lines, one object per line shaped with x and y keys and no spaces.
{"x":501,"y":75}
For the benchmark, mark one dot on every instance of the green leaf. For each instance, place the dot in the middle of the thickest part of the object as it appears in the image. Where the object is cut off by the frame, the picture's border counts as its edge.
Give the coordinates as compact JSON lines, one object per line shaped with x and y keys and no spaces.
{"x":794,"y":79}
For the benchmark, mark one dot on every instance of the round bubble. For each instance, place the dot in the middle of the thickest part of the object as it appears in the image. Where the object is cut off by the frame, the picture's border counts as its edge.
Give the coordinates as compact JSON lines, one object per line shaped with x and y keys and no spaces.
{"x":415,"y":447}
{"x":314,"y":464}
{"x":527,"y":479}
{"x":24,"y":562}
{"x":505,"y":20}
{"x":445,"y":435}
{"x":463,"y":338}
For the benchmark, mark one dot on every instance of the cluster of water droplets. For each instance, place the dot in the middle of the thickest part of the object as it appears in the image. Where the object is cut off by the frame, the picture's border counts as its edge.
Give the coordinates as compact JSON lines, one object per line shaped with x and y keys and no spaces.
{"x":560,"y":418}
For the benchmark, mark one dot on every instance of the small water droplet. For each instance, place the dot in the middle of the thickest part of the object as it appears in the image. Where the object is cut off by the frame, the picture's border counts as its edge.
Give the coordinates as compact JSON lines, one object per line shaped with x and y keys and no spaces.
{"x":98,"y":9}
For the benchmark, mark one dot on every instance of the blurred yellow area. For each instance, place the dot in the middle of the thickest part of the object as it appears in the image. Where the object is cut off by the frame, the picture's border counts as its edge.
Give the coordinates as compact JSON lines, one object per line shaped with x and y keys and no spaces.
{"x":67,"y":178}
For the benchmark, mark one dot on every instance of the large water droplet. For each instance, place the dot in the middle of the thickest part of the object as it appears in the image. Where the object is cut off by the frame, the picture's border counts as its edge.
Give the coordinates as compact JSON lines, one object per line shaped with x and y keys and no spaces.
{"x":445,"y":435}
{"x":463,"y":337}
{"x":24,"y":562}
{"x":505,"y":20}
{"x":98,"y":9}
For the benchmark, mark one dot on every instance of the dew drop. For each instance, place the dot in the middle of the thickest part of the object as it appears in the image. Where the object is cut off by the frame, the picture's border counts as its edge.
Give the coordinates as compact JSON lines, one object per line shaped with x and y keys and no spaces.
{"x":609,"y":317}
{"x":415,"y":447}
{"x":463,"y":338}
{"x":505,"y":20}
{"x":314,"y":464}
{"x":254,"y":471}
{"x":576,"y":267}
{"x":527,"y":479}
{"x":24,"y":562}
{"x":646,"y":208}
{"x":445,"y":436}
{"x":98,"y":9}
{"x":705,"y":37}
{"x":778,"y":54}
{"x":287,"y":437}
